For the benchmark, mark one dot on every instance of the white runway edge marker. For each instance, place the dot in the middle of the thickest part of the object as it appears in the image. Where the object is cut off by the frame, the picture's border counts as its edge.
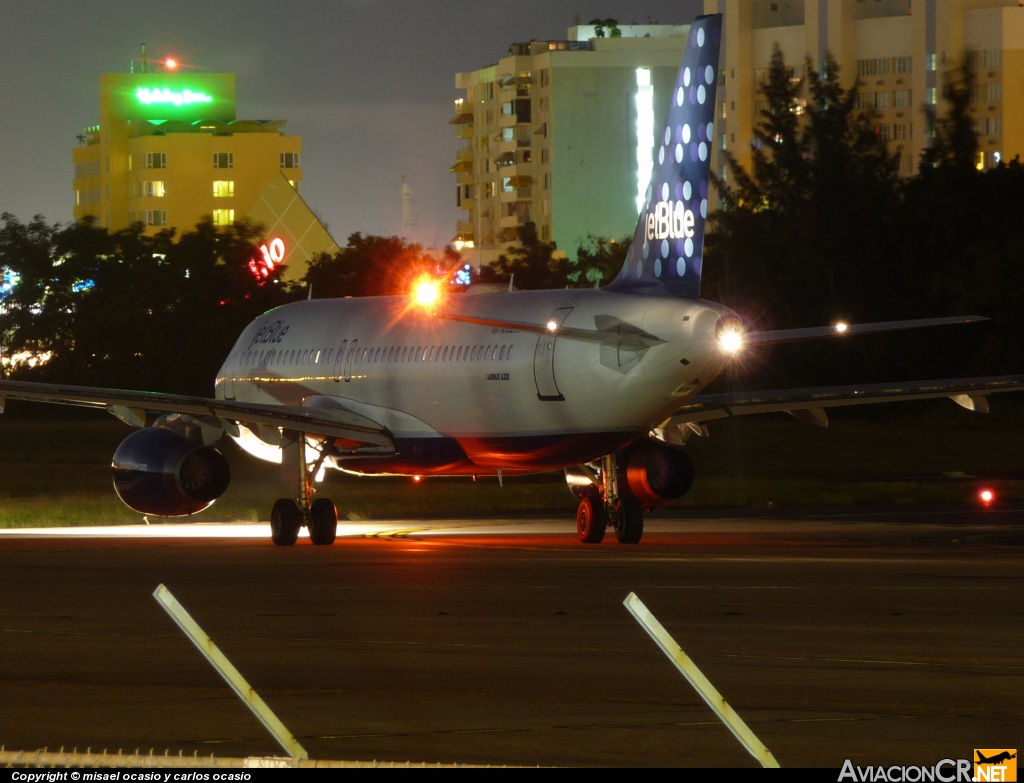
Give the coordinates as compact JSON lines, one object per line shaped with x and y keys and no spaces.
{"x":230,"y":674}
{"x":700,"y":683}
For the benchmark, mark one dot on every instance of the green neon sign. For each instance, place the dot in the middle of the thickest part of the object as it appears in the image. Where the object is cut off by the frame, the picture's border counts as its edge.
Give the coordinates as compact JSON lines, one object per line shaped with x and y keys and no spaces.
{"x":149,"y":96}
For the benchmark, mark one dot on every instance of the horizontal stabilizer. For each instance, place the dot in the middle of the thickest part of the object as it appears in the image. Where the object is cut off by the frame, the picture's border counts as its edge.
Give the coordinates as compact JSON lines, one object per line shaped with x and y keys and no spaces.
{"x":717,"y":406}
{"x":614,"y":335}
{"x":844,"y":330}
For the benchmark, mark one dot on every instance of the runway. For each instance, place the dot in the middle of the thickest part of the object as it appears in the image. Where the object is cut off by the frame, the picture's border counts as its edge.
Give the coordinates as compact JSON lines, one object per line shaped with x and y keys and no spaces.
{"x":888,"y":636}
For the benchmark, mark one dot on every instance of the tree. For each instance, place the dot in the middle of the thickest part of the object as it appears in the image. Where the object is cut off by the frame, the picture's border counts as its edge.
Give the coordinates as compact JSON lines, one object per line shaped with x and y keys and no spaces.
{"x":801,"y":227}
{"x":127,"y":309}
{"x":374,"y":266}
{"x":532,"y":264}
{"x":598,"y":260}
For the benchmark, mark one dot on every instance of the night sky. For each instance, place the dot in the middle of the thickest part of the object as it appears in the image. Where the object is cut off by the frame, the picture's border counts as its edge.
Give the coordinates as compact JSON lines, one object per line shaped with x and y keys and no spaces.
{"x":368,"y":84}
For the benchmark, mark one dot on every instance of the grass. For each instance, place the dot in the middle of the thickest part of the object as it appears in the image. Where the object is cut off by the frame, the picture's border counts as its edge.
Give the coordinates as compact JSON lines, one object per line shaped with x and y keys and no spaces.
{"x":57,"y":472}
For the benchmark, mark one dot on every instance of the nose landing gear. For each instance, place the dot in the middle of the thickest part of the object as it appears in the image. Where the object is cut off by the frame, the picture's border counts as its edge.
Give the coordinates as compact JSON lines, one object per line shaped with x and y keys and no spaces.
{"x":320,"y":516}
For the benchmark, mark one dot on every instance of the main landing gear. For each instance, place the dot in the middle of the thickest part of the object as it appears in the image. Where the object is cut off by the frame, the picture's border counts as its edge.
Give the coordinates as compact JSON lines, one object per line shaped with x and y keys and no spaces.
{"x":288,"y":516}
{"x":603,"y":506}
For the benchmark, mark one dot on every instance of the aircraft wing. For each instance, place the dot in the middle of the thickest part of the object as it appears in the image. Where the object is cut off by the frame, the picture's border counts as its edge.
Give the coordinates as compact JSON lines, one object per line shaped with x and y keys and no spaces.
{"x":967,"y":392}
{"x":131,"y":407}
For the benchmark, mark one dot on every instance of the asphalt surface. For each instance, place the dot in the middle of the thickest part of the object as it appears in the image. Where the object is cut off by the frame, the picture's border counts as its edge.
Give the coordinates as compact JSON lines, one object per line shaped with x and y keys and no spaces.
{"x":890,"y":637}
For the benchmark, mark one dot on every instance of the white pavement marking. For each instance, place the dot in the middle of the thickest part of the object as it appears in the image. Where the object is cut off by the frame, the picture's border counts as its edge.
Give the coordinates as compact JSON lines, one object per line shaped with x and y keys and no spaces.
{"x":700,"y":683}
{"x":231,"y":675}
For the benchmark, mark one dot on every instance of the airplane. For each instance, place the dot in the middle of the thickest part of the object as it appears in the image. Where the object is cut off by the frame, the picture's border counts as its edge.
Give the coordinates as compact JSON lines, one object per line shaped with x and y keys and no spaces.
{"x":601,"y":383}
{"x":996,"y":759}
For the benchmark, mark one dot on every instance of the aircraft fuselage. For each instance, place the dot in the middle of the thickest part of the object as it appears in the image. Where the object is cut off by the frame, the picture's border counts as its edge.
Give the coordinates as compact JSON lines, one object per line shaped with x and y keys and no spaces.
{"x":462,"y":398}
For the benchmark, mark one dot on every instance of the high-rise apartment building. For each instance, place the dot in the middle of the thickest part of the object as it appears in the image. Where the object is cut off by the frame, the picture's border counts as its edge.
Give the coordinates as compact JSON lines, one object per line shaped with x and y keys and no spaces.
{"x":897,"y":52}
{"x":560,"y":133}
{"x":168,"y":152}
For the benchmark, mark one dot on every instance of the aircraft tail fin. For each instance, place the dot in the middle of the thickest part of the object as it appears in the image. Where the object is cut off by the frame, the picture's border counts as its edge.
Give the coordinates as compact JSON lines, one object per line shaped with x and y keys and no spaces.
{"x":668,"y":244}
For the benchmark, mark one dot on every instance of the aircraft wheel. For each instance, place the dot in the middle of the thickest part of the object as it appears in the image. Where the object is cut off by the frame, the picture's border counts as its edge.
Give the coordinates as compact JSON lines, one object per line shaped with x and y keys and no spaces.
{"x":591,"y":521}
{"x":285,"y":521}
{"x":631,"y":527}
{"x":323,"y":522}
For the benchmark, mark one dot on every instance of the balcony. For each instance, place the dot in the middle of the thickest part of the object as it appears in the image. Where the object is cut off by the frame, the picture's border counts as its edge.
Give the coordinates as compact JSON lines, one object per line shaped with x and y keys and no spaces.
{"x":463,"y":162}
{"x":464,"y":131}
{"x":505,"y":160}
{"x":463,"y":115}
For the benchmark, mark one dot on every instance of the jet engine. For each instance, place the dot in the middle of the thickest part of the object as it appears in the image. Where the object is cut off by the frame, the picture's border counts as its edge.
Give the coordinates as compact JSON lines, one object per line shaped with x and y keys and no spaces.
{"x":156,"y":471}
{"x":657,"y":473}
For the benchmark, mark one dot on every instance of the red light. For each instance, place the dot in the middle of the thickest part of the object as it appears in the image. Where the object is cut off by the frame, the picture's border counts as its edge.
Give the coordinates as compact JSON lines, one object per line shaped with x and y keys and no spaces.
{"x":171,"y":63}
{"x":987,"y":497}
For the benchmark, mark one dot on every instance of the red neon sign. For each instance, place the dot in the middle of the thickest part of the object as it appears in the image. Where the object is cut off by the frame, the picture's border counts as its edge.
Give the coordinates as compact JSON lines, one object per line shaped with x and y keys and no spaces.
{"x":272,"y":253}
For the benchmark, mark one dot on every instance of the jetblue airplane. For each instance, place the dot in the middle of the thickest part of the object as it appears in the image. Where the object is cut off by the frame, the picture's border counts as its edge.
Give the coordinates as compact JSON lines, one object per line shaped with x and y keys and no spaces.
{"x":601,"y":383}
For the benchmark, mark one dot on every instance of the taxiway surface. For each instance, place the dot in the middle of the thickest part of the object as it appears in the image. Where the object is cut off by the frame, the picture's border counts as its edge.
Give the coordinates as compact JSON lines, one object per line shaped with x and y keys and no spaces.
{"x":887,"y":637}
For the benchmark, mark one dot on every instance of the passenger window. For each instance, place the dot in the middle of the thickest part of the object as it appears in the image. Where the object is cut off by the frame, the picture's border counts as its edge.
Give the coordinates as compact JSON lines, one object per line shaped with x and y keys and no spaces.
{"x":330,"y":354}
{"x":444,"y":356}
{"x":509,"y":357}
{"x":473,"y":355}
{"x":502,"y":357}
{"x":404,"y":353}
{"x":459,"y":358}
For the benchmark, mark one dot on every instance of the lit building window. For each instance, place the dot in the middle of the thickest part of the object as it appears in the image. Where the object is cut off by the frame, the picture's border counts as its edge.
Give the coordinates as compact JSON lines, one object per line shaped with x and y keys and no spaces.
{"x":932,"y":96}
{"x":644,"y":134}
{"x":295,"y":184}
{"x":223,"y":160}
{"x":223,"y":188}
{"x":156,"y":217}
{"x":289,"y":160}
{"x":223,"y":217}
{"x":153,"y":189}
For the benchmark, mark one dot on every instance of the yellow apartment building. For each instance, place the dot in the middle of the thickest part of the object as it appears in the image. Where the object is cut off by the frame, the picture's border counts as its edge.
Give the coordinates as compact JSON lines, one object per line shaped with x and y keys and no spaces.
{"x":168,"y":152}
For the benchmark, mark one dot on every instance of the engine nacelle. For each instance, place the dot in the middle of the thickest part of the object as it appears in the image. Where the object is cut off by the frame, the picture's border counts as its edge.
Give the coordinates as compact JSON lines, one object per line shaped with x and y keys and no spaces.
{"x":158,"y":472}
{"x":657,"y":473}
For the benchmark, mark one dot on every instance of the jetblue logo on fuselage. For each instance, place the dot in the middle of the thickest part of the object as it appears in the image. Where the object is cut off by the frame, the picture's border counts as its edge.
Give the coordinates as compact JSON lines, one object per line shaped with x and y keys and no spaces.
{"x":271,"y":333}
{"x":670,"y":220}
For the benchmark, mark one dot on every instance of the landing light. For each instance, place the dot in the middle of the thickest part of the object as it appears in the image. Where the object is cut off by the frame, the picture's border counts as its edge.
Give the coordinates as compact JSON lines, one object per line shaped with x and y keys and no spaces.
{"x":552,"y":326}
{"x":986,"y":497}
{"x":426,"y":292}
{"x":171,"y":63}
{"x":730,"y":341}
{"x":841,"y":327}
